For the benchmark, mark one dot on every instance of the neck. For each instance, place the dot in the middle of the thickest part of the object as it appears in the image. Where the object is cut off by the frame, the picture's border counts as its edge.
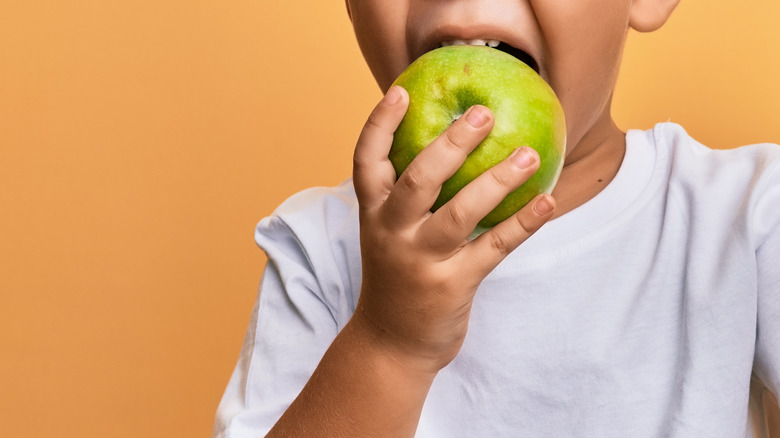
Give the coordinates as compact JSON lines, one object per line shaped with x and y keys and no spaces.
{"x":590,"y":165}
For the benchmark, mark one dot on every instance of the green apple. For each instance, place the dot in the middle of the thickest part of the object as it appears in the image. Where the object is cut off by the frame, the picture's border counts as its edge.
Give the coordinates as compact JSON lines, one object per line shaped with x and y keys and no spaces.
{"x":443,"y":83}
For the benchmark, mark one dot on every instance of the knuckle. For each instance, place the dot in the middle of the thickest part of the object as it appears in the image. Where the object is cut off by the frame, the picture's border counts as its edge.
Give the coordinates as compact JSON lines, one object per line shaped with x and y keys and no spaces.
{"x":457,"y":214}
{"x":374,"y":120}
{"x":524,"y":225}
{"x":359,"y":160}
{"x":453,"y":139}
{"x":442,"y":280}
{"x":412,"y":179}
{"x":500,"y":177}
{"x":500,"y":244}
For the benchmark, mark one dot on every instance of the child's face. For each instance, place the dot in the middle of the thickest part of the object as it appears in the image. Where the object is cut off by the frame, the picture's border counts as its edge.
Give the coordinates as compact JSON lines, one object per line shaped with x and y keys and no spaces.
{"x":575,"y":44}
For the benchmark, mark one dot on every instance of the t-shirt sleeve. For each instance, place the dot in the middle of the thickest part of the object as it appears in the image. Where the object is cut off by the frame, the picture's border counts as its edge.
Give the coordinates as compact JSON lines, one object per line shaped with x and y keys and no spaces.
{"x":766,"y":227}
{"x":292,"y":325}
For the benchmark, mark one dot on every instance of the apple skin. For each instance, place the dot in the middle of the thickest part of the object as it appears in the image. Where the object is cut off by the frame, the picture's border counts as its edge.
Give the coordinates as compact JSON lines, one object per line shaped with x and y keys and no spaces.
{"x":443,"y":83}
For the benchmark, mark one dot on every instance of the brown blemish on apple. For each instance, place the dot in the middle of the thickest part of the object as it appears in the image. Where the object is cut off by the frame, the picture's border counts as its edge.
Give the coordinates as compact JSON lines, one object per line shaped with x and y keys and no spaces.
{"x":437,"y":90}
{"x":466,"y":69}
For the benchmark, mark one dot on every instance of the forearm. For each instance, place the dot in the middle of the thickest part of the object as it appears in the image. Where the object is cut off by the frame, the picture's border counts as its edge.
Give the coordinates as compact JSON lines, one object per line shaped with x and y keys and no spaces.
{"x":359,"y":389}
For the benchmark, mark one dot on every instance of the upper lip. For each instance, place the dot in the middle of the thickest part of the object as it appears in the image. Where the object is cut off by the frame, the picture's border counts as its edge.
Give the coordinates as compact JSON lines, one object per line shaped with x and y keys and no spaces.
{"x":450,"y":32}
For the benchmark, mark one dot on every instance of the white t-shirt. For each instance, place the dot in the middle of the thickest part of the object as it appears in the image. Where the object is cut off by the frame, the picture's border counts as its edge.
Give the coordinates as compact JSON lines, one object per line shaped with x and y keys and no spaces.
{"x":642,"y":313}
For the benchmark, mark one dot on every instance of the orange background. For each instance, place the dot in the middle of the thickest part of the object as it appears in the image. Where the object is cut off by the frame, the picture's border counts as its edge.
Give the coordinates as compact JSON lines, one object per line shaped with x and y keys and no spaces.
{"x":141,"y":141}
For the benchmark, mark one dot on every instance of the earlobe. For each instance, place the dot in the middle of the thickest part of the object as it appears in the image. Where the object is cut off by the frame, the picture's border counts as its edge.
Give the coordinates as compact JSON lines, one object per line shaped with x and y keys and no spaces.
{"x":650,"y":15}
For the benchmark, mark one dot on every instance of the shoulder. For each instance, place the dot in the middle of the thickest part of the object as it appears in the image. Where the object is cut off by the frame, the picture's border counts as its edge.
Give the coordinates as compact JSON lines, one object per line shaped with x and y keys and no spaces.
{"x":686,"y":152}
{"x":744,"y":180}
{"x":313,"y":220}
{"x":316,"y":207}
{"x":683,"y":150}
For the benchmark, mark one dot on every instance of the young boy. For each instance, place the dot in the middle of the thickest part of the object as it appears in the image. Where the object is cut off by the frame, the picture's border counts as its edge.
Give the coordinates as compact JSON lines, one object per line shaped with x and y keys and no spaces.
{"x":642,"y":307}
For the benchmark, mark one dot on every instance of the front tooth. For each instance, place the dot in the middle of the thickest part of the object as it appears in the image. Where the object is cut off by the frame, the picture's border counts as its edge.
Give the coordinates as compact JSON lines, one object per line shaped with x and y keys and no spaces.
{"x":476,"y":42}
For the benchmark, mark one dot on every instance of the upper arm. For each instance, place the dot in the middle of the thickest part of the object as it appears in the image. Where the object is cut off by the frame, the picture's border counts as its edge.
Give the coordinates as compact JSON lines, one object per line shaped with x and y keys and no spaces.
{"x":292,"y":326}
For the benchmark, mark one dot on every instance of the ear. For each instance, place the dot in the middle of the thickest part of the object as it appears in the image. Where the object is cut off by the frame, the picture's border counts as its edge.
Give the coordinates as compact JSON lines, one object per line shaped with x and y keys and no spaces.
{"x":650,"y":15}
{"x":349,"y":12}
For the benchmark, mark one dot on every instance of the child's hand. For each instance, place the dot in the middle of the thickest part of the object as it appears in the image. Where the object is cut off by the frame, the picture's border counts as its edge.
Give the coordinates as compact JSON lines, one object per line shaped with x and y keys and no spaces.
{"x":420,"y":272}
{"x":419,"y":277}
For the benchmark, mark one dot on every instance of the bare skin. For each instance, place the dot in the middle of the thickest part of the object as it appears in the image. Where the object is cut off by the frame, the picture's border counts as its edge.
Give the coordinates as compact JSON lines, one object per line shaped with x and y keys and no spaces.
{"x":420,"y":272}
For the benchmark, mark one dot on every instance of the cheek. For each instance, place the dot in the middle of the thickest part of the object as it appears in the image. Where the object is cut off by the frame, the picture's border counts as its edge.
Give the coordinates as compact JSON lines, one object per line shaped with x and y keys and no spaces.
{"x":380,"y":28}
{"x":587,"y":78}
{"x":584,"y":47}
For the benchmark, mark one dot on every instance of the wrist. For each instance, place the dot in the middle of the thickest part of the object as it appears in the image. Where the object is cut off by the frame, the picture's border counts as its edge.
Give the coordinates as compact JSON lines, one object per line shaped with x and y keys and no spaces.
{"x":360,"y":388}
{"x":411,"y":362}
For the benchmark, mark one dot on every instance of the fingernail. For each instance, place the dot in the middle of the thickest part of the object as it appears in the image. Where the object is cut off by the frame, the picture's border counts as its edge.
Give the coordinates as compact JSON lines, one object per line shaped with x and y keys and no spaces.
{"x":543,"y":206}
{"x":476,"y":116}
{"x":523,"y":157}
{"x":393,"y":95}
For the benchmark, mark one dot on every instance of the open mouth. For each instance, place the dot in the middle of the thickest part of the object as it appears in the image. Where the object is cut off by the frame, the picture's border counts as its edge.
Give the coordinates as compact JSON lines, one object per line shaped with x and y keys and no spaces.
{"x":499,"y":45}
